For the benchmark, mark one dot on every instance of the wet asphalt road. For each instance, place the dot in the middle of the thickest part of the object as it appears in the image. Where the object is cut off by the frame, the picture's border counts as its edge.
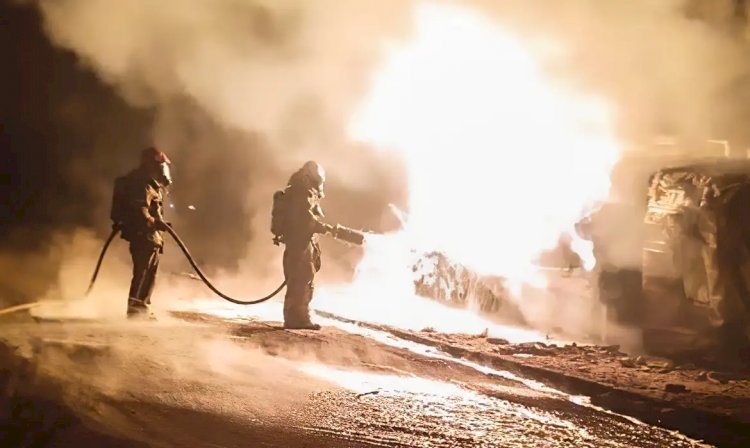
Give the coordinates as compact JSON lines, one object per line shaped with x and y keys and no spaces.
{"x":178,"y":384}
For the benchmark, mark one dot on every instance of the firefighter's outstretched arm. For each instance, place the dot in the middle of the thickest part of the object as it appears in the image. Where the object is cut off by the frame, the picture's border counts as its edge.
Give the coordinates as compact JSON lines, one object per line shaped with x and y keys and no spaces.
{"x":316,"y":225}
{"x":319,"y":226}
{"x":338,"y":231}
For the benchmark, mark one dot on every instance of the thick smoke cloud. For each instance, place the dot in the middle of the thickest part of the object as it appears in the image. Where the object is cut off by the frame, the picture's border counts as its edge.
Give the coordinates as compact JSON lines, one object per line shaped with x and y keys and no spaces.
{"x":674,"y":68}
{"x":241,"y":92}
{"x":669,"y":66}
{"x":268,"y":66}
{"x":244,"y":92}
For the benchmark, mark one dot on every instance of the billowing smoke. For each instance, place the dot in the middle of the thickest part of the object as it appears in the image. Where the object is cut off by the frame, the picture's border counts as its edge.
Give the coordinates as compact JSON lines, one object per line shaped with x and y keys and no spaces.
{"x":672,"y":67}
{"x":241,"y":92}
{"x":244,"y":92}
{"x":499,"y":159}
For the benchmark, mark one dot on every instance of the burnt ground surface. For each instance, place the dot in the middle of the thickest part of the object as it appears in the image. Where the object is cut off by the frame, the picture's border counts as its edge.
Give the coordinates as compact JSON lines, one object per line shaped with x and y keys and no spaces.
{"x":196,"y":379}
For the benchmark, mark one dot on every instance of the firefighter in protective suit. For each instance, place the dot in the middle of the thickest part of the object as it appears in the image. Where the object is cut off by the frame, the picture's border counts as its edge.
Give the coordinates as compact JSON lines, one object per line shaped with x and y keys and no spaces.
{"x":137,"y":211}
{"x":302,"y":253}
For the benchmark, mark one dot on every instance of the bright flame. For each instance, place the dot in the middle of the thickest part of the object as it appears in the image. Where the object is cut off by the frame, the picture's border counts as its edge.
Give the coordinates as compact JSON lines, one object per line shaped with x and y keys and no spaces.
{"x":501,"y":160}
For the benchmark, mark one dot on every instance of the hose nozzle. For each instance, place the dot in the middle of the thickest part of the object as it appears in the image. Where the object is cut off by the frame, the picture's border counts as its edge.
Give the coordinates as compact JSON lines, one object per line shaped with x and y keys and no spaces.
{"x":349,"y":235}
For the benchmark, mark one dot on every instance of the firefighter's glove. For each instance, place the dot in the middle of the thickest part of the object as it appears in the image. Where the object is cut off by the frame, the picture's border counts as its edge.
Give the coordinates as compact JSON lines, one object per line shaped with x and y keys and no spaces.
{"x":349,"y":235}
{"x":160,"y":225}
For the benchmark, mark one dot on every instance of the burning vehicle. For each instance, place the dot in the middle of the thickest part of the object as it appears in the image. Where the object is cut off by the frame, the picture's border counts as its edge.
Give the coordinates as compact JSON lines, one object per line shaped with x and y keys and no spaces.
{"x":689,"y":293}
{"x":673,"y":260}
{"x":439,"y":278}
{"x":436,"y":276}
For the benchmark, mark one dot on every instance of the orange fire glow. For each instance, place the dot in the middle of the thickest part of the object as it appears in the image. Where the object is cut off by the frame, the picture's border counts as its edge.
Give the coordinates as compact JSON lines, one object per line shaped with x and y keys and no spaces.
{"x":501,"y":158}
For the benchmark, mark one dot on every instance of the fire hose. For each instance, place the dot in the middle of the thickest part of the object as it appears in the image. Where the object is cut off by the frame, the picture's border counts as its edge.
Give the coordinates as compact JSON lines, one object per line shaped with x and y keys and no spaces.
{"x":208,"y":283}
{"x":192,"y":262}
{"x":339,"y":232}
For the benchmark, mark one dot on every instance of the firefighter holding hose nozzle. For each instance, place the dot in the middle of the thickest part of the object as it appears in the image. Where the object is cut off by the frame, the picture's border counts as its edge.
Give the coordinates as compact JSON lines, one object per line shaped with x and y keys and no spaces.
{"x":296,"y":222}
{"x":137,"y":211}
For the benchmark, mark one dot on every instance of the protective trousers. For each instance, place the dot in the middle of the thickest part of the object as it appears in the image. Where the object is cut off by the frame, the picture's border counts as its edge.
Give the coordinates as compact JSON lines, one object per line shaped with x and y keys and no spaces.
{"x":145,"y":255}
{"x":300,"y":266}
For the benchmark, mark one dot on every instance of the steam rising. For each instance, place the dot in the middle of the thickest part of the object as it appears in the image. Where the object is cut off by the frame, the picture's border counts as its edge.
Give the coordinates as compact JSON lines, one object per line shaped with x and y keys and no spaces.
{"x":241,"y":94}
{"x":243,"y":91}
{"x":293,"y":72}
{"x":287,"y":69}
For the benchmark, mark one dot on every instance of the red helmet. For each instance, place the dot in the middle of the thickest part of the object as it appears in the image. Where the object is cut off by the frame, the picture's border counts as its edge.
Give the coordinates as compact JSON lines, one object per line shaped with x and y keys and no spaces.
{"x":151,"y":155}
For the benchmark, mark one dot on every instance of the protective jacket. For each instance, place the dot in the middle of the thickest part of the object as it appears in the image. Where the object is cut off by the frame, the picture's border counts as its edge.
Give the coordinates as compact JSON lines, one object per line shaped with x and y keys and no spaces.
{"x":302,"y":253}
{"x":137,"y":203}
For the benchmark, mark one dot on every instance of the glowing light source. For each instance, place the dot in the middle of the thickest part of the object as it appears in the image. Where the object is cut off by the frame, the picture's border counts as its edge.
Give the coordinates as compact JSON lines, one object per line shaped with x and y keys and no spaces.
{"x":501,"y":159}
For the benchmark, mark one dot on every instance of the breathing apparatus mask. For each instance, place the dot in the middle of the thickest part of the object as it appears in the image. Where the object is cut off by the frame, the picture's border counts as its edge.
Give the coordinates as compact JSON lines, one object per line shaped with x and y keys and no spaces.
{"x":163,"y":174}
{"x":315,"y":177}
{"x":157,"y":164}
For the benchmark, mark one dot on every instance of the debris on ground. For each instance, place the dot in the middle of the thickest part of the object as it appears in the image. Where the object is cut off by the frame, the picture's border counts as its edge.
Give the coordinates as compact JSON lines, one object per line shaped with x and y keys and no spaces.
{"x":675,"y":388}
{"x":606,"y":367}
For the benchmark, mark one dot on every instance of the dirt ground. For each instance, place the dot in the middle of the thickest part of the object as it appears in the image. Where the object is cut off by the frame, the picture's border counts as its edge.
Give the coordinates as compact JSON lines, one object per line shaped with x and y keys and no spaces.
{"x":197,"y":379}
{"x":703,"y":403}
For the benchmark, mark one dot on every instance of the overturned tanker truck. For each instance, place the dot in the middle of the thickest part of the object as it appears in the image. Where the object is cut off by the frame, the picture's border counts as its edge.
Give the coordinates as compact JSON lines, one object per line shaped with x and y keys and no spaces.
{"x":690,"y":291}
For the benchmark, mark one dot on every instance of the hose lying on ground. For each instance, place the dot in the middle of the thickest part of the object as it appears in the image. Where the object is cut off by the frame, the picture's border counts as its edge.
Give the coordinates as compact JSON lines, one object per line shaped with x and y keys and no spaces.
{"x":189,"y":257}
{"x":208,"y":282}
{"x":25,"y":306}
{"x":112,"y":235}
